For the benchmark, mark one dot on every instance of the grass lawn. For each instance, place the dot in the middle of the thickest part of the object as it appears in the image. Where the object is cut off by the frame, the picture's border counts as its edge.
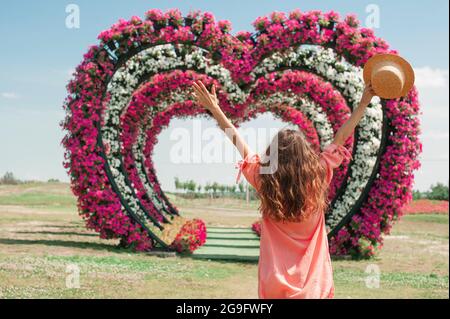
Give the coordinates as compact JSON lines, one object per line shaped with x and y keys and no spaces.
{"x":42,"y":236}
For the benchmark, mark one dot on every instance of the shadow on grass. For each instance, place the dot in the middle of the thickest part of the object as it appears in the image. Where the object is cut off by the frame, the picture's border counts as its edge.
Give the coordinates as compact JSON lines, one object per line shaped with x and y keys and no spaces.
{"x":225,"y":259}
{"x":57,"y":233}
{"x":119,"y":250}
{"x":229,"y":233}
{"x":64,"y":243}
{"x":231,"y":238}
{"x":64,"y":226}
{"x":232,"y":246}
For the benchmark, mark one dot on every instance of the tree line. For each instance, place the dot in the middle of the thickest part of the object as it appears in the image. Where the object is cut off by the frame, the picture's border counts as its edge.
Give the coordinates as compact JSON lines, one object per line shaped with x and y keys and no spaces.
{"x":9,"y":179}
{"x":190,"y":187}
{"x":438,"y":191}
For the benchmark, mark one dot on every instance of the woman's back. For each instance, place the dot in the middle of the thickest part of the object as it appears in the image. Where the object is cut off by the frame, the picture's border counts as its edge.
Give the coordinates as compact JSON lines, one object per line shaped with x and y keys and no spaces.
{"x":294,"y":256}
{"x":294,"y":259}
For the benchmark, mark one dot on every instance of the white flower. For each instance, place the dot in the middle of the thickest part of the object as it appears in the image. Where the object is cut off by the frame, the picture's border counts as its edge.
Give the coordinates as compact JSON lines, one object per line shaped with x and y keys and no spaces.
{"x":322,"y":61}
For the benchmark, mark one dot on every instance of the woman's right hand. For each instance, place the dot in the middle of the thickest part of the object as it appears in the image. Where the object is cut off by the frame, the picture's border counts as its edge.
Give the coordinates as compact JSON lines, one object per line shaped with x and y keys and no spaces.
{"x":349,"y":126}
{"x":208,"y":100}
{"x":368,"y":94}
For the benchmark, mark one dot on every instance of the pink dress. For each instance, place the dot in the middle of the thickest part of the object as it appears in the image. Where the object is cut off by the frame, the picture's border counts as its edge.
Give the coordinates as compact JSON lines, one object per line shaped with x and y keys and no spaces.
{"x":294,"y":258}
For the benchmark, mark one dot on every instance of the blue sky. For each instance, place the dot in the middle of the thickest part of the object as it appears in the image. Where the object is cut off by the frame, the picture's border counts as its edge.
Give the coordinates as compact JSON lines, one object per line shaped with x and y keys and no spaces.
{"x":38,"y":52}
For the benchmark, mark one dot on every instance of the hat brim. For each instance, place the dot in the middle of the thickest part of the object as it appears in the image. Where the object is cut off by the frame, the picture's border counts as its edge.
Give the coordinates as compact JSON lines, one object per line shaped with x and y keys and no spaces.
{"x":406,"y":68}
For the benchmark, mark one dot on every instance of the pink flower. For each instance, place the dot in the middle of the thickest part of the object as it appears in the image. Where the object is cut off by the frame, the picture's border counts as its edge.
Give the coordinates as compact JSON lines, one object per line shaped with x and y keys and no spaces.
{"x":100,"y":206}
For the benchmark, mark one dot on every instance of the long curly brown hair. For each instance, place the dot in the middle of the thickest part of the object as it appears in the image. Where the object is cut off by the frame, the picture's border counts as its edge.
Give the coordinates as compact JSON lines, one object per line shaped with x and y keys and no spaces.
{"x":294,"y":184}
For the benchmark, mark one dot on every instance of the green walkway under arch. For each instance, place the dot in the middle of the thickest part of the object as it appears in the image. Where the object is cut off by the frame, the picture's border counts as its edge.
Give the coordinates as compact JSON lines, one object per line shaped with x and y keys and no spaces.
{"x":240,"y":244}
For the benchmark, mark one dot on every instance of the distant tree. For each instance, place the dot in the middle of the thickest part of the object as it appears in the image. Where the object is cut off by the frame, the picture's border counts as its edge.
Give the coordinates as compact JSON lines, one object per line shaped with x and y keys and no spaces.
{"x":191,"y":186}
{"x":215,"y":187}
{"x":231,"y":189}
{"x":177,"y":183}
{"x":417,"y":195}
{"x":438,"y":192}
{"x":9,"y":179}
{"x":208,"y":189}
{"x":53,"y":180}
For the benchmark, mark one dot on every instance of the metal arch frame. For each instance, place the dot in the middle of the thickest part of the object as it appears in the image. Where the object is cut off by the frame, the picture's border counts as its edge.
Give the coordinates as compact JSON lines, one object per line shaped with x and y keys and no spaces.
{"x":118,"y":61}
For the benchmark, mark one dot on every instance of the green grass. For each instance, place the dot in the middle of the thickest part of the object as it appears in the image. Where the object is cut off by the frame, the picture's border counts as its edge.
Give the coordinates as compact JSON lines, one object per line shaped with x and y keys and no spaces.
{"x":395,"y":279}
{"x":41,"y":234}
{"x":150,"y":266}
{"x":352,"y":284}
{"x":51,"y":196}
{"x":426,"y":218}
{"x":37,"y":199}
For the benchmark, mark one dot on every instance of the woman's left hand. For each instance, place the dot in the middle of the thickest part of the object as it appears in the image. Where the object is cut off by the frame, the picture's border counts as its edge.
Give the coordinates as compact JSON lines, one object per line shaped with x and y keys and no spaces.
{"x":210,"y":102}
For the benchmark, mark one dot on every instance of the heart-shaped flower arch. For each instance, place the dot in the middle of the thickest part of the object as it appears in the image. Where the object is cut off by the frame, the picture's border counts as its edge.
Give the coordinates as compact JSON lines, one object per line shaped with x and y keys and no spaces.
{"x":129,"y":87}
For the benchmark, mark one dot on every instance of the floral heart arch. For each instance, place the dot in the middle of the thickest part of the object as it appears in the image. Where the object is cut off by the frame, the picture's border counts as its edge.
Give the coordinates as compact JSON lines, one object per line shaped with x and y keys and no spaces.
{"x":129,"y":86}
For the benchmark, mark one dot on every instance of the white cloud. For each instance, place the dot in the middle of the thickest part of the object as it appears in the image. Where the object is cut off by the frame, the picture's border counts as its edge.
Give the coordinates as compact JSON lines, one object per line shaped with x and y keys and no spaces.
{"x":9,"y":95}
{"x":427,"y":77}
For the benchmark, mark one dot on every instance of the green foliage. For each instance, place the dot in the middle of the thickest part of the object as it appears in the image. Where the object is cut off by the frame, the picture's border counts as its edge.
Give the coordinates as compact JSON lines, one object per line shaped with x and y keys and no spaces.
{"x":9,"y":179}
{"x":436,"y":192}
{"x":188,"y":186}
{"x":177,"y":184}
{"x":417,"y":195}
{"x":213,"y":190}
{"x":191,"y":186}
{"x":215,"y":187}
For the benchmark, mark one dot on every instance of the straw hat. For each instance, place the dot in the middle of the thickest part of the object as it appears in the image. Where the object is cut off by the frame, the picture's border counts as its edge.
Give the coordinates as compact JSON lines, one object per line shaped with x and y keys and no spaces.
{"x":391,"y":75}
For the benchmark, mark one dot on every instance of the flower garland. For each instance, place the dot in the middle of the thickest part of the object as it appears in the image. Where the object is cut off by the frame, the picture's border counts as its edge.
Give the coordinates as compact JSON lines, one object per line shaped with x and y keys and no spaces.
{"x":346,"y":78}
{"x":256,"y":227}
{"x":326,"y":57}
{"x":118,"y":192}
{"x":121,"y":87}
{"x":191,"y":236}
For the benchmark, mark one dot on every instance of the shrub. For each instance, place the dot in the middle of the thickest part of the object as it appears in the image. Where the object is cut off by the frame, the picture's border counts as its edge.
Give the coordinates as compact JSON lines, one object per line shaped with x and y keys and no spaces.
{"x":9,"y":179}
{"x":438,"y":192}
{"x":191,"y":236}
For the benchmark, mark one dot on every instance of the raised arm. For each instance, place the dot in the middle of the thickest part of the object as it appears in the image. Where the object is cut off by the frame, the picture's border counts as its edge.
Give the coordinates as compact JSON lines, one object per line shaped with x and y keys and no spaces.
{"x":348,"y":127}
{"x":211,"y":103}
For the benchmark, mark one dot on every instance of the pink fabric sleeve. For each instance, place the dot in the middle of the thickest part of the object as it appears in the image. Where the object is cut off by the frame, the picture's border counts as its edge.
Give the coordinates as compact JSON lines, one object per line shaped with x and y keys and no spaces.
{"x":332,"y":156}
{"x":249,"y":167}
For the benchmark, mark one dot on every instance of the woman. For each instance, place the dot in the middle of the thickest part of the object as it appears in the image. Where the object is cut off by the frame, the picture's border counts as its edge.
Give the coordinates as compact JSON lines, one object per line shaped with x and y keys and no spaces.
{"x":291,"y":181}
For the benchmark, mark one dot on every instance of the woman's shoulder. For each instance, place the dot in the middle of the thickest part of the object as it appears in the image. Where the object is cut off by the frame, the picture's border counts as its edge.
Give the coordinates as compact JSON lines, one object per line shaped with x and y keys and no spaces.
{"x":335,"y":153}
{"x":249,"y":167}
